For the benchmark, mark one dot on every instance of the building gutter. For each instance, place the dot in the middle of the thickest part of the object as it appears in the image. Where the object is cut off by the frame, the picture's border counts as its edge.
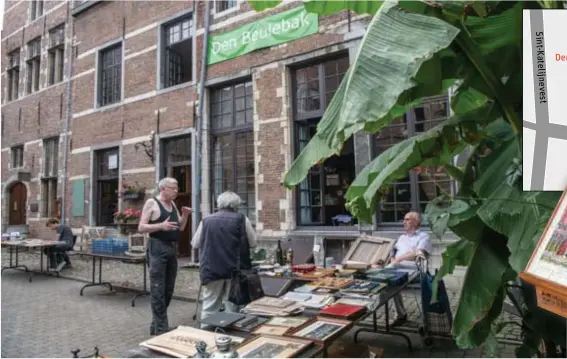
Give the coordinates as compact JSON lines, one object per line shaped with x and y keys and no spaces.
{"x":67,"y":121}
{"x":196,"y":196}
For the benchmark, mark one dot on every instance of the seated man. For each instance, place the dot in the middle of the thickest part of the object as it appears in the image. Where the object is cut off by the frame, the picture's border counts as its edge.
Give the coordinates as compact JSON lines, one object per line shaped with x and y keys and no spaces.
{"x":405,"y":251}
{"x":65,"y":242}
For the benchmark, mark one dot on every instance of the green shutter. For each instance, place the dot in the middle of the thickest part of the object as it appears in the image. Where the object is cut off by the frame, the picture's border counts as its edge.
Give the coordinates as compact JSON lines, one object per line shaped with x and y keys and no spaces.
{"x":78,"y":209}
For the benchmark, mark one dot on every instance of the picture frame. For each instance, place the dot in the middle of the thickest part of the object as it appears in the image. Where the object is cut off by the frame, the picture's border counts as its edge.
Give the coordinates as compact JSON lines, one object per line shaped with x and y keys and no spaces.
{"x":547,"y":267}
{"x":271,"y":330}
{"x":271,"y":346}
{"x":180,"y":342}
{"x":289,"y":322}
{"x":369,"y":250}
{"x":322,"y":330}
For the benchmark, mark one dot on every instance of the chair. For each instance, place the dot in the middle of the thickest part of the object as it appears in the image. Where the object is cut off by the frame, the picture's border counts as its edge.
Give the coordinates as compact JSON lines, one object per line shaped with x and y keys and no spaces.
{"x":63,"y":256}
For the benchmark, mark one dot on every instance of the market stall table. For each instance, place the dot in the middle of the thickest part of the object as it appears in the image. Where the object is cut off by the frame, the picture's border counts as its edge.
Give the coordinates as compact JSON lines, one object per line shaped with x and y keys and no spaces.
{"x":101,"y":256}
{"x":33,"y":243}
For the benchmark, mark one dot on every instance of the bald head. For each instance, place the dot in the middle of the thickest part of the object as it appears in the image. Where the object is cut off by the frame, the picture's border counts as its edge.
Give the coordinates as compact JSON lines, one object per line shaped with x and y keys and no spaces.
{"x":412,"y":221}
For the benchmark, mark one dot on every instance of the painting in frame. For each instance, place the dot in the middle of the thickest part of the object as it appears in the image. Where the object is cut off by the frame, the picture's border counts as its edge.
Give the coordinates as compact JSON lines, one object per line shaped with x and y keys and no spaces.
{"x":322,"y":330}
{"x":270,"y":346}
{"x":547,"y":268}
{"x":289,"y":322}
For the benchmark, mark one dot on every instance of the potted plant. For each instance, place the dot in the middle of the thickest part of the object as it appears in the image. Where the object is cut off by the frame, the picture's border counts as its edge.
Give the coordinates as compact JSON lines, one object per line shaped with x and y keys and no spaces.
{"x":132,"y":192}
{"x":129,"y":214}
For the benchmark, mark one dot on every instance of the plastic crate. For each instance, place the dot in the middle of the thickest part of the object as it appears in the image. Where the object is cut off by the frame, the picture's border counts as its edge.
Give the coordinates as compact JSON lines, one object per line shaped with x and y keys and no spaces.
{"x":110,"y":245}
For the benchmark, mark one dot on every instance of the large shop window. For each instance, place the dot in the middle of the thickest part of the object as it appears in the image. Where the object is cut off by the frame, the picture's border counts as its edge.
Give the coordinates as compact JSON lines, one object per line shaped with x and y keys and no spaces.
{"x":233,"y":144}
{"x":422,"y":184}
{"x":320,"y":197}
{"x":106,"y":182}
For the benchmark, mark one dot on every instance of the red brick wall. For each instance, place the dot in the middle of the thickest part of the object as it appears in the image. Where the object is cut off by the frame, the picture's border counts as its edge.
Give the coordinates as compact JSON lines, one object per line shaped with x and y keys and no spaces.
{"x":138,"y":116}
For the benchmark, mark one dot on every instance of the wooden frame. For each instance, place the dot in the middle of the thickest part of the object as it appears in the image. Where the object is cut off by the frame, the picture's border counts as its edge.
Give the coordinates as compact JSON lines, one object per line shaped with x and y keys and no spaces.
{"x":287,"y":321}
{"x":181,"y":341}
{"x":271,"y":330}
{"x":309,"y":327}
{"x":547,"y":268}
{"x":369,"y":250}
{"x":291,"y":346}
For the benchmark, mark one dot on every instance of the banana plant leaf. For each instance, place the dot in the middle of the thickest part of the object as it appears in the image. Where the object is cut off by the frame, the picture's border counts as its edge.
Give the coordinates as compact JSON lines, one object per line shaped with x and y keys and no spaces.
{"x":325,"y":7}
{"x":391,"y":54}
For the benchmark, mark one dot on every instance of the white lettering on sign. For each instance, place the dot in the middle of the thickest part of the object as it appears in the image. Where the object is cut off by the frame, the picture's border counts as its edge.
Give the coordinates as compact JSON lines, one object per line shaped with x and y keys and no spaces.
{"x":248,"y":37}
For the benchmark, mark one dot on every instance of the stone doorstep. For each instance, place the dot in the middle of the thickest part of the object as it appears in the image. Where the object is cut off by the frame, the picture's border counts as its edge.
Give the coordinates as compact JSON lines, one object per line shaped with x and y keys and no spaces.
{"x":190,"y":294}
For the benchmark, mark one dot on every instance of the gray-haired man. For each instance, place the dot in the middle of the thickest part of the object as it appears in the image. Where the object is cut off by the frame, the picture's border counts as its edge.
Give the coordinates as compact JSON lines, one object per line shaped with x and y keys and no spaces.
{"x":222,"y":237}
{"x":160,"y":218}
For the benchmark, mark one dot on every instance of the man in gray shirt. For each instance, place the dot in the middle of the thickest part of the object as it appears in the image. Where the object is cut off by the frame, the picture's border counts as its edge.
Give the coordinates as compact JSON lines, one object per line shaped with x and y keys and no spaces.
{"x":65,"y":242}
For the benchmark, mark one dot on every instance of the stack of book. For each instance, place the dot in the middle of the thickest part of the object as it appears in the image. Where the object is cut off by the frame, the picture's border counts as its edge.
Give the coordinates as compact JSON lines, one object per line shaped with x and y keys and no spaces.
{"x":269,"y":307}
{"x":309,"y":300}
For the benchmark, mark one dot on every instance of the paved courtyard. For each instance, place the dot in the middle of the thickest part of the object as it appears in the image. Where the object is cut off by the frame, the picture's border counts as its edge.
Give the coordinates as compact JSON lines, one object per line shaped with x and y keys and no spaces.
{"x":48,"y":318}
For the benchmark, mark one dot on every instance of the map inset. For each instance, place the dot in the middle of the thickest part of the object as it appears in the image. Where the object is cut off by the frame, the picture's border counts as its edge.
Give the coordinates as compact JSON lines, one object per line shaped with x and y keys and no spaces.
{"x":545,"y":100}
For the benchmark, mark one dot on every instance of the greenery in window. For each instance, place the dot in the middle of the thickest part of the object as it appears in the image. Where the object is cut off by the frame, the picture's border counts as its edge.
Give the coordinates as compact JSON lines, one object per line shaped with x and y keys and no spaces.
{"x":431,"y":46}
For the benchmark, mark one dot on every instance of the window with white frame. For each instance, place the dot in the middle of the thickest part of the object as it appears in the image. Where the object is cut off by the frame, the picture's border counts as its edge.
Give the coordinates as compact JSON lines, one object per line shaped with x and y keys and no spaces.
{"x":56,"y":54}
{"x":49,"y":177}
{"x":13,"y":75}
{"x":177,"y":51}
{"x":110,"y":75}
{"x":33,"y":65}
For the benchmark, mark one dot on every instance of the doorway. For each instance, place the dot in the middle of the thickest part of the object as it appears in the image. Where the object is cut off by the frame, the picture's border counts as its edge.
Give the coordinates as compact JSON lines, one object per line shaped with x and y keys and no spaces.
{"x":177,"y":164}
{"x":18,"y":199}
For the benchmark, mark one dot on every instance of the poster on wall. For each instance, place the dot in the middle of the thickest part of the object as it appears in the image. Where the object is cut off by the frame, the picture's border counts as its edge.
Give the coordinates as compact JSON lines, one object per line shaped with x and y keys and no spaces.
{"x":549,"y":260}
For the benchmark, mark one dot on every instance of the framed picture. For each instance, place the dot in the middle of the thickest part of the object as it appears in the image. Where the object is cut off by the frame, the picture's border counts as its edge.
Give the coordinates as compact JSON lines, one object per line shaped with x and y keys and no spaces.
{"x":289,"y":322}
{"x":180,"y":342}
{"x":271,"y":330}
{"x":547,"y":268}
{"x":369,"y":250}
{"x":268,"y":346}
{"x":322,"y":330}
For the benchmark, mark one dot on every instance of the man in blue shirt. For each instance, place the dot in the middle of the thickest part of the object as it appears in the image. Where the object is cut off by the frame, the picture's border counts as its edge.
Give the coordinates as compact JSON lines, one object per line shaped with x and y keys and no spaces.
{"x":65,"y":242}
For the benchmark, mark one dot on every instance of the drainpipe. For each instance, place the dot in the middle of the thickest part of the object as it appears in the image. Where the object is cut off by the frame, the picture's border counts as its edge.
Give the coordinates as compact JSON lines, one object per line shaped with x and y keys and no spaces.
{"x":68,"y":114}
{"x":196,"y":200}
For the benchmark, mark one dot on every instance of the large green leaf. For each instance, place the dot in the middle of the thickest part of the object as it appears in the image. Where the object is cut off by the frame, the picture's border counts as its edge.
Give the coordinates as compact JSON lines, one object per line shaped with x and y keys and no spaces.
{"x":520,"y":216}
{"x":437,"y":146}
{"x":482,"y":295}
{"x":392,"y":51}
{"x":325,"y":7}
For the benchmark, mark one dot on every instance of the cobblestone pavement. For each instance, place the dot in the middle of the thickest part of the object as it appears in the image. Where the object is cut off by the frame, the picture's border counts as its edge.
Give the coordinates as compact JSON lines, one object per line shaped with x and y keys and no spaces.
{"x":130,"y":275}
{"x":48,"y":318}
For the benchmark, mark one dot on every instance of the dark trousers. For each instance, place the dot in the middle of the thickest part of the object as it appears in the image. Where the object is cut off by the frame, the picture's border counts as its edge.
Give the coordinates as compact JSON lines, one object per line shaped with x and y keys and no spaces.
{"x":162,"y":260}
{"x":58,"y":248}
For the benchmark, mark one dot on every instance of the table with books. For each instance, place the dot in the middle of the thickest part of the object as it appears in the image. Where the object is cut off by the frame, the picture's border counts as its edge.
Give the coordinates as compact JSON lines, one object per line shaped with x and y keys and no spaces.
{"x":303,"y":322}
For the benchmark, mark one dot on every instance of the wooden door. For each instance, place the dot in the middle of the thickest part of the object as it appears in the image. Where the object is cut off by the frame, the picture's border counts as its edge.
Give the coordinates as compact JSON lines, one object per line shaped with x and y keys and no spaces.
{"x":18,"y":196}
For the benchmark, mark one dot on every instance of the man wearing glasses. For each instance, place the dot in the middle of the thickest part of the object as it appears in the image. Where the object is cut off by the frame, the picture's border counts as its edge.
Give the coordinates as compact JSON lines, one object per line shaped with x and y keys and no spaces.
{"x":405,"y":251}
{"x":161,"y":219}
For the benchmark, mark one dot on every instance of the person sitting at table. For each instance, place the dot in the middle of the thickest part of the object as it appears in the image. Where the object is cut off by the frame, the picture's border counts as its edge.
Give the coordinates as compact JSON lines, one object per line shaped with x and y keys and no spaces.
{"x":65,"y":243}
{"x":405,"y":251}
{"x":222,"y":237}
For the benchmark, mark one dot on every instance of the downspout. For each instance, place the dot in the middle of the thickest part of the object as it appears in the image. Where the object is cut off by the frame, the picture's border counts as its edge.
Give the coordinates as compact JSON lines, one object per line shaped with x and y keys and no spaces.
{"x":70,"y":51}
{"x":196,"y":200}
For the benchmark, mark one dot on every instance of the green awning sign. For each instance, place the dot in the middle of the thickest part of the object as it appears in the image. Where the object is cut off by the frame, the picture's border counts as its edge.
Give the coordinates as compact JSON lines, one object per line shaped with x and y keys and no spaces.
{"x":272,"y":30}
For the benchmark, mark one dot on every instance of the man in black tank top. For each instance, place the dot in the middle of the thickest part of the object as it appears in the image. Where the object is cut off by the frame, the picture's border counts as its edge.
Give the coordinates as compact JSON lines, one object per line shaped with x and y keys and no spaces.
{"x":162,"y":220}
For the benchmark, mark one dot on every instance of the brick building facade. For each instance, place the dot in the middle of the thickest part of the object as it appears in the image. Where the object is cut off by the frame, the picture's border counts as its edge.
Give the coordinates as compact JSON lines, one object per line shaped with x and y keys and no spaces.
{"x":133,"y":100}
